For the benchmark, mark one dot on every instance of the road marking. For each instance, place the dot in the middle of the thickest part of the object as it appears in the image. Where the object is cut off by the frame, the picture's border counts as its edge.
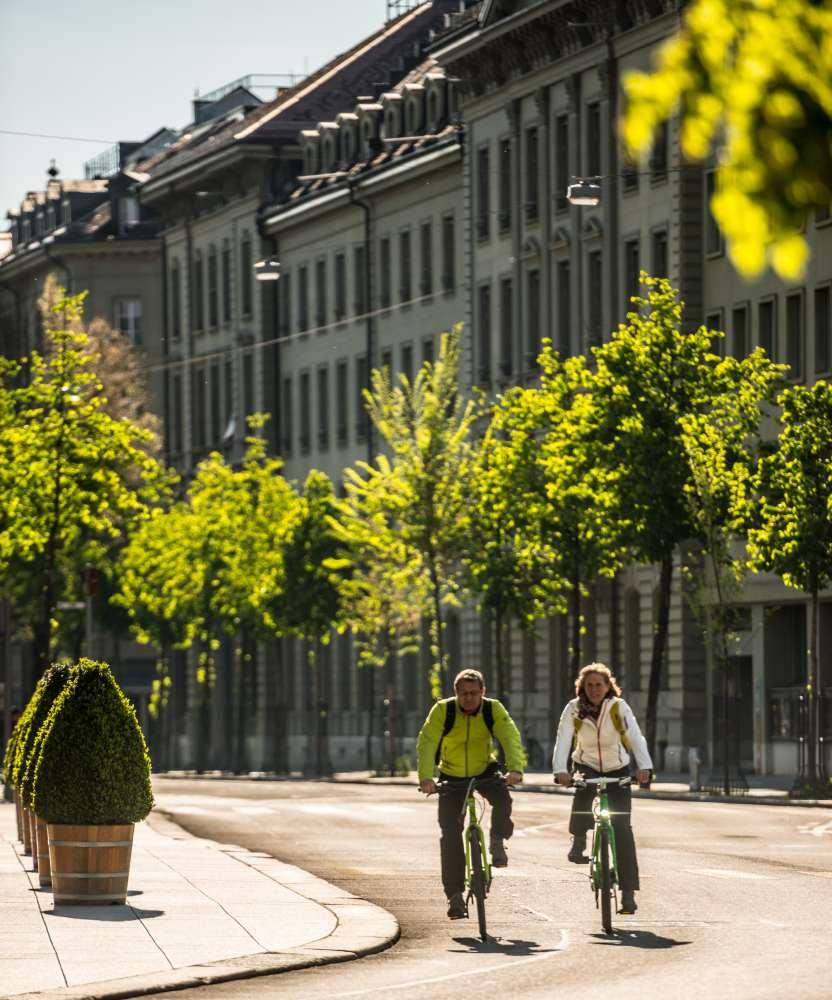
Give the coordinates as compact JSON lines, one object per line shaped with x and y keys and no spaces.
{"x":521,"y":832}
{"x":817,"y":829}
{"x":725,"y":873}
{"x":511,"y":964}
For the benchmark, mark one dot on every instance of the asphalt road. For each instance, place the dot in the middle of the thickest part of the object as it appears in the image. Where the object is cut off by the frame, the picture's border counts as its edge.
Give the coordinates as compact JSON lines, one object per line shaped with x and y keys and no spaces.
{"x":736,"y":900}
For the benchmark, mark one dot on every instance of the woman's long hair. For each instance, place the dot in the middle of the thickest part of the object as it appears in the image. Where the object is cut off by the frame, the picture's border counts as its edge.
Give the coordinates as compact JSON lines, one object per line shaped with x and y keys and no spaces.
{"x":597,"y":668}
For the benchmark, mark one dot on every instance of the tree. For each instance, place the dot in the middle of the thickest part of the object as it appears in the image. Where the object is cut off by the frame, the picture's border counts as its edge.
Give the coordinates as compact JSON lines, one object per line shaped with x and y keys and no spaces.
{"x":427,"y":427}
{"x":311,"y":603}
{"x":793,"y":532}
{"x":648,"y":377}
{"x":752,"y":78}
{"x":383,"y":587}
{"x":78,"y":479}
{"x":722,"y":443}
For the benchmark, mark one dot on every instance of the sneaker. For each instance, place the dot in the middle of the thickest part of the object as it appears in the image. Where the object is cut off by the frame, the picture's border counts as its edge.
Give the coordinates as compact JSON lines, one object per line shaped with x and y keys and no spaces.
{"x":628,"y":902}
{"x":576,"y":853}
{"x":457,"y":909}
{"x":499,"y":858}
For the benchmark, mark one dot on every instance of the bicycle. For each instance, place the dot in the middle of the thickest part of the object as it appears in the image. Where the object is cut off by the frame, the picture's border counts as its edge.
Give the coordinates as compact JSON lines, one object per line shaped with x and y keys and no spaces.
{"x":477,"y":863}
{"x":603,"y":861}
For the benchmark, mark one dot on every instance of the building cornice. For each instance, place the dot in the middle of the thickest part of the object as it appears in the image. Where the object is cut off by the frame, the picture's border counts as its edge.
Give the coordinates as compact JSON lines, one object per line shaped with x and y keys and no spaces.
{"x":41,"y":256}
{"x":174,"y":181}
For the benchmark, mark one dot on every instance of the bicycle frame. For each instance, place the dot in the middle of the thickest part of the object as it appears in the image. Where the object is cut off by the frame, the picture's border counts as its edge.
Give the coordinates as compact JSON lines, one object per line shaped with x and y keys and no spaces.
{"x":473,"y":829}
{"x":603,"y":861}
{"x":603,"y":820}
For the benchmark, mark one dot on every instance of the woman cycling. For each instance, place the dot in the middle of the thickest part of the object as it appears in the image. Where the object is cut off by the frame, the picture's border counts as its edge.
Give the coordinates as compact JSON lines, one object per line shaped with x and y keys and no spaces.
{"x":599,"y":727}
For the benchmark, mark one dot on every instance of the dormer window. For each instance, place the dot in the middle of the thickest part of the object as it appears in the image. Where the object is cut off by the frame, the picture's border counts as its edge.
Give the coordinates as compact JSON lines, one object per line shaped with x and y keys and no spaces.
{"x":39,"y":224}
{"x":311,"y":159}
{"x":347,"y":144}
{"x":27,"y":230}
{"x":433,"y":110}
{"x":67,"y":213}
{"x":128,"y":212}
{"x":367,"y":132}
{"x":390,"y":125}
{"x":50,"y":218}
{"x":327,"y":154}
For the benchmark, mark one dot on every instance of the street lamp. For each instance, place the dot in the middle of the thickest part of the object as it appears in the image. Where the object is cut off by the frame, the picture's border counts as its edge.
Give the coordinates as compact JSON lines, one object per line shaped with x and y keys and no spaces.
{"x":267,"y":269}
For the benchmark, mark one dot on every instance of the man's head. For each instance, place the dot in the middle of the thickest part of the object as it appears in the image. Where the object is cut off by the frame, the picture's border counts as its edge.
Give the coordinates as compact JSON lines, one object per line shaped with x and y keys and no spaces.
{"x":469,"y":686}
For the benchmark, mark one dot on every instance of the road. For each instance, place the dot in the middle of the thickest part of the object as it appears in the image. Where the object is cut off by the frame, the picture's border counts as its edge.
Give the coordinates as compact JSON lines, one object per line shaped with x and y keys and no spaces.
{"x":736,"y":900}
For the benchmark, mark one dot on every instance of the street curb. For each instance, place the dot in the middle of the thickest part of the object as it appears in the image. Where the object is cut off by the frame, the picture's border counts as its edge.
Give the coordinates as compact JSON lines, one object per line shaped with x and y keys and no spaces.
{"x":362,"y":928}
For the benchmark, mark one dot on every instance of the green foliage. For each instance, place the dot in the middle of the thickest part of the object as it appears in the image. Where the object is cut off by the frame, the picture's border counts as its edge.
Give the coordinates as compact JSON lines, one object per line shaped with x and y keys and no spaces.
{"x":93,"y":765}
{"x":24,"y":724}
{"x":46,"y":694}
{"x":793,"y":486}
{"x":753,"y":77}
{"x":427,"y":426}
{"x":75,"y":479}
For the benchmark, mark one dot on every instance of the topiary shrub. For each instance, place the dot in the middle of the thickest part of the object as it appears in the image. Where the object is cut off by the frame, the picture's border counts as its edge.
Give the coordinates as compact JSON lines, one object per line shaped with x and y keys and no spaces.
{"x":93,"y":765}
{"x":49,"y":687}
{"x":8,"y":754}
{"x":21,"y":732}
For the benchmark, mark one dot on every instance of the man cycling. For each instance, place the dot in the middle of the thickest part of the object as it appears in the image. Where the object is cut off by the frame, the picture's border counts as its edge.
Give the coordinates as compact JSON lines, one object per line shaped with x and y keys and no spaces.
{"x":464,"y":751}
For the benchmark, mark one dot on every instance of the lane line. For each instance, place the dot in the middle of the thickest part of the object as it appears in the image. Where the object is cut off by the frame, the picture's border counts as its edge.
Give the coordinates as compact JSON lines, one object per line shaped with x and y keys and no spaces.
{"x":561,"y":947}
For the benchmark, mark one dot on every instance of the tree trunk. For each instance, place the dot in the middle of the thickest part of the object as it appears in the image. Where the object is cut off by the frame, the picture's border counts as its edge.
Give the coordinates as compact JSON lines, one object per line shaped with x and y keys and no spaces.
{"x":499,"y":662}
{"x":576,"y":623}
{"x":371,"y":697}
{"x":659,"y":648}
{"x":440,"y":670}
{"x":813,"y":762}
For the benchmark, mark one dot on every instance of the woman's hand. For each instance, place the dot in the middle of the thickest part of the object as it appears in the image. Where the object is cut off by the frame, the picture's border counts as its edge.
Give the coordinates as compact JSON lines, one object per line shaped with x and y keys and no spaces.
{"x":644,"y":776}
{"x":563,"y":778}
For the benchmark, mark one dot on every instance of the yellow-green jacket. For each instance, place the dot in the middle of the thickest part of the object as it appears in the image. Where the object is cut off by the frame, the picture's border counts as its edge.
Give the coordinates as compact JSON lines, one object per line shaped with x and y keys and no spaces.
{"x":467,"y":749}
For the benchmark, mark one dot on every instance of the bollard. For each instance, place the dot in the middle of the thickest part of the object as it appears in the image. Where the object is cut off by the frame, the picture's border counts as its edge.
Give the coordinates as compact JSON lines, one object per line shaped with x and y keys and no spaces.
{"x":693,"y":769}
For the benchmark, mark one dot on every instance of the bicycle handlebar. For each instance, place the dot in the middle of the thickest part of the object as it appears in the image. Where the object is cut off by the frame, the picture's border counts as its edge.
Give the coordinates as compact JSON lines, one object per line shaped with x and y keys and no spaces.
{"x":580,"y":782}
{"x":444,"y":785}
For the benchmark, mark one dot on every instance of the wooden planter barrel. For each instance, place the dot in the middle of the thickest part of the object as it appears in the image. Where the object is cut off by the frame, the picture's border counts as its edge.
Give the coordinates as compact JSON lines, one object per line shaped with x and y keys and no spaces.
{"x":33,"y":838}
{"x":90,"y":864}
{"x":18,"y":815}
{"x":42,"y":840}
{"x":27,"y":842}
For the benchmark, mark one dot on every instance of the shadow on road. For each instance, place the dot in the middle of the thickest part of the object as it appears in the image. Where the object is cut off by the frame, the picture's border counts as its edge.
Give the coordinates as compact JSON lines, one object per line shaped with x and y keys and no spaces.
{"x":502,"y":946}
{"x":637,"y":939}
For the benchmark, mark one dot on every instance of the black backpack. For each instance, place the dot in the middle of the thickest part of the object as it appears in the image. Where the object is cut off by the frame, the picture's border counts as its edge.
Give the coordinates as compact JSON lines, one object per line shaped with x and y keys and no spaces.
{"x":450,"y":718}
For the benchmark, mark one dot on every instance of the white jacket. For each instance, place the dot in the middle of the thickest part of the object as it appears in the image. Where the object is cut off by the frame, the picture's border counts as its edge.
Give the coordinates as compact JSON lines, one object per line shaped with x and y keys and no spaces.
{"x":598,"y":744}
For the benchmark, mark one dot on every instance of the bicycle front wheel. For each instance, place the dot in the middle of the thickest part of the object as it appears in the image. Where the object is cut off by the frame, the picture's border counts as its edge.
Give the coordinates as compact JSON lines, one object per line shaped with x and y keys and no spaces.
{"x":478,"y":883}
{"x":606,"y":882}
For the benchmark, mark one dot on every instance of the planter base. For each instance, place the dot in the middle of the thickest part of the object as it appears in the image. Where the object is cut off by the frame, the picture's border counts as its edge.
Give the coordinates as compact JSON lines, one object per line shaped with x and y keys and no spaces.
{"x":90,"y":864}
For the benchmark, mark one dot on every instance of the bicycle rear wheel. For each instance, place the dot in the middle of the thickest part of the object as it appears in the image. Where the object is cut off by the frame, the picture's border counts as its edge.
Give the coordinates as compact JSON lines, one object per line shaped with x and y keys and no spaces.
{"x":478,"y":883}
{"x":606,"y":882}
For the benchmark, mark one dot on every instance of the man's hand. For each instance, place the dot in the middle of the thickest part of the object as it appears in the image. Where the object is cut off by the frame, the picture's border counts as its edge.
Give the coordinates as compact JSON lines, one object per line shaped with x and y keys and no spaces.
{"x":514,"y":778}
{"x":563,"y":778}
{"x":427,"y":787}
{"x":644,"y":776}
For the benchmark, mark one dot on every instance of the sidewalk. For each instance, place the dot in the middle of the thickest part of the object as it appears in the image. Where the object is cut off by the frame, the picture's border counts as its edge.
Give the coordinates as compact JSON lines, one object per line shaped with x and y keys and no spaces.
{"x":197,"y":912}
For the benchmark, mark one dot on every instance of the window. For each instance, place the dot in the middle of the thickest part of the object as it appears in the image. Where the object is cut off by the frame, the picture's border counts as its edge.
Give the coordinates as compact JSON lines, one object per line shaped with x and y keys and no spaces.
{"x":305,"y":414}
{"x":427,"y":350}
{"x":563,"y":334}
{"x":739,"y":331}
{"x":407,"y":361}
{"x":176,"y":416}
{"x":361,"y":415}
{"x":249,"y":402}
{"x":340,"y":286}
{"x":385,"y":284}
{"x":405,"y":268}
{"x":426,"y":282}
{"x":230,"y":423}
{"x":629,"y":175}
{"x":323,"y":409}
{"x":504,"y":210}
{"x":287,"y":418}
{"x":794,"y":334}
{"x":532,"y":318}
{"x":448,"y":254}
{"x":659,"y":262}
{"x":767,"y":327}
{"x":129,"y":320}
{"x":713,"y":235}
{"x":320,"y":292}
{"x":284,"y":304}
{"x":39,"y":227}
{"x":595,"y":278}
{"x":532,"y":176}
{"x":659,"y":154}
{"x":593,"y":140}
{"x":67,"y":213}
{"x":823,"y":330}
{"x":632,"y":632}
{"x":215,"y":410}
{"x":246,"y":296}
{"x":631,"y":271}
{"x":341,"y":404}
{"x":128,"y":212}
{"x":714,"y":322}
{"x":561,"y":162}
{"x":483,"y":194}
{"x":226,"y":283}
{"x":213,"y":289}
{"x":506,"y":326}
{"x":175,"y":301}
{"x":303,"y":298}
{"x":484,"y":336}
{"x":197,"y":408}
{"x":360,"y":279}
{"x":387,"y":361}
{"x":199,"y":293}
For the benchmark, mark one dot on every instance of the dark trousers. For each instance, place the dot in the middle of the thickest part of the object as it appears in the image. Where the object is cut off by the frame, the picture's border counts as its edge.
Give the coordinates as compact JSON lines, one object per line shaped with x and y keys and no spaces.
{"x":620,"y":799}
{"x":452,"y":819}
